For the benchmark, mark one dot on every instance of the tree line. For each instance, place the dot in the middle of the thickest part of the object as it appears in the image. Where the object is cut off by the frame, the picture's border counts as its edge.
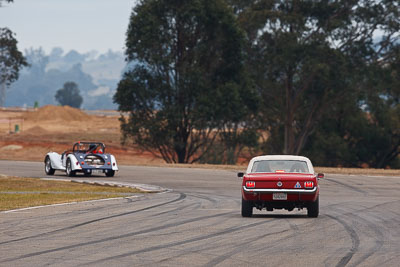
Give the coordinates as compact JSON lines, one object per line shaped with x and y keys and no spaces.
{"x":34,"y":76}
{"x":216,"y":80}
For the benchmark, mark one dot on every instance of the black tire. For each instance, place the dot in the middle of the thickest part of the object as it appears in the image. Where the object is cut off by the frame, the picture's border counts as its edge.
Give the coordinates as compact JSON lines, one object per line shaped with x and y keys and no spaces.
{"x":47,"y":166}
{"x":247,"y":208}
{"x":313,"y":209}
{"x":68,"y":169}
{"x":110,"y":173}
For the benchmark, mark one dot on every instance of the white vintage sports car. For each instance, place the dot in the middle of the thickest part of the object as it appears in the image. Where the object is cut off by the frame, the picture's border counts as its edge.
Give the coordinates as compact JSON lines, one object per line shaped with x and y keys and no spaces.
{"x":85,"y":157}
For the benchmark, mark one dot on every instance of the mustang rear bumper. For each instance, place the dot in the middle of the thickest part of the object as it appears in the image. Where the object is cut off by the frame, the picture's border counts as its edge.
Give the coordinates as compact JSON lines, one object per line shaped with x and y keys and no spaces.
{"x":293,"y":191}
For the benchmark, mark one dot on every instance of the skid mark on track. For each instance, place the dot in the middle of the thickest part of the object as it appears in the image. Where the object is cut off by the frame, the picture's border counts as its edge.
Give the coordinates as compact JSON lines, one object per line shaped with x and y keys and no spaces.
{"x":335,"y":206}
{"x":238,"y":249}
{"x":178,"y":243}
{"x":126,"y":235}
{"x":234,"y":249}
{"x":391,"y":262}
{"x":294,"y":235}
{"x":355,"y":241}
{"x":181,"y":197}
{"x":379,"y":241}
{"x":195,"y":205}
{"x":212,"y":200}
{"x":347,"y":186}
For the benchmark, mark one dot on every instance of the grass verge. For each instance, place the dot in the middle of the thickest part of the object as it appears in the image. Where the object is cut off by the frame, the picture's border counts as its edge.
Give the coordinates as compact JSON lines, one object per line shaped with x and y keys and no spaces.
{"x":16,"y":192}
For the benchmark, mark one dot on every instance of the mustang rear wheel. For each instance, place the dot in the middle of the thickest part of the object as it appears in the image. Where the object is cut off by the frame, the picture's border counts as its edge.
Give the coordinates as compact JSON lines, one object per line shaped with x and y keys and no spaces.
{"x":247,"y":208}
{"x":313,"y":209}
{"x":69,"y":170}
{"x":47,"y":166}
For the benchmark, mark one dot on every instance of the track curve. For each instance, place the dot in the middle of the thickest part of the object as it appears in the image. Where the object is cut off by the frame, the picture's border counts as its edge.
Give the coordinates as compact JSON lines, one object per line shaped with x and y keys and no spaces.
{"x":199,"y":224}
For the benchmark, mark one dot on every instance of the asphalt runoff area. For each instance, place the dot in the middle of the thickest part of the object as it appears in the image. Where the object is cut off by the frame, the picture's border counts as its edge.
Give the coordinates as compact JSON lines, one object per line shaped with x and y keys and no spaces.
{"x":198,"y":223}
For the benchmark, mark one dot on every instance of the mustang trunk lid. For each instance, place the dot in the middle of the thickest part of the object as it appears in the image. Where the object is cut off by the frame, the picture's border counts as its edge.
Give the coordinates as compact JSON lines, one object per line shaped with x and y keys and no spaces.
{"x":288,"y":180}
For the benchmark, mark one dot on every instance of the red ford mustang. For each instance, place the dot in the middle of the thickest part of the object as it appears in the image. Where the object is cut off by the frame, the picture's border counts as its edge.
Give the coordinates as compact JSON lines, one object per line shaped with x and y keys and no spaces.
{"x":280,"y":182}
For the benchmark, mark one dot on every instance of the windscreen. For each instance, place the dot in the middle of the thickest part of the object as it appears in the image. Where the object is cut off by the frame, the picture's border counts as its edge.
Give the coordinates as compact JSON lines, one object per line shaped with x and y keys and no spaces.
{"x":277,"y":166}
{"x":89,"y":147}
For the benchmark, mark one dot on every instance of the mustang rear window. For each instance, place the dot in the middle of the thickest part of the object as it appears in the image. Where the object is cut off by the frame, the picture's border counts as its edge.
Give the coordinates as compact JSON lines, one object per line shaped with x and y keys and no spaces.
{"x":280,"y":166}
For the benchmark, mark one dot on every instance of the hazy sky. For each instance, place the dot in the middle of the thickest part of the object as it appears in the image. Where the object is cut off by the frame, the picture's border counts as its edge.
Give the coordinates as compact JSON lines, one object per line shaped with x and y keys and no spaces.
{"x":82,"y":25}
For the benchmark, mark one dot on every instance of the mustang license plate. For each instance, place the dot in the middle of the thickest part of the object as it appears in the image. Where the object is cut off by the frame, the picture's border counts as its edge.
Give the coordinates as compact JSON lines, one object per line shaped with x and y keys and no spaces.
{"x":97,"y":171}
{"x":279,"y":196}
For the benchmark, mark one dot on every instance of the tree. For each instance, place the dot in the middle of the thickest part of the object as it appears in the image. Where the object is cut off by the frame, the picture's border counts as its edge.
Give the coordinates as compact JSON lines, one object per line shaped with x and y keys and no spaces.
{"x":188,"y":57}
{"x":38,"y":61}
{"x":39,"y":82}
{"x":11,"y":61}
{"x":309,"y":55}
{"x":366,"y":135}
{"x":69,"y":95}
{"x":7,"y":1}
{"x":56,"y":54}
{"x":384,"y":104}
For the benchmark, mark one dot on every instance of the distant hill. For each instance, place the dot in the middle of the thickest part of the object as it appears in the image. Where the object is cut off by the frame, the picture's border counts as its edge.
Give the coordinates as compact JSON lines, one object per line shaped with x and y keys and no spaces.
{"x":97,"y":76}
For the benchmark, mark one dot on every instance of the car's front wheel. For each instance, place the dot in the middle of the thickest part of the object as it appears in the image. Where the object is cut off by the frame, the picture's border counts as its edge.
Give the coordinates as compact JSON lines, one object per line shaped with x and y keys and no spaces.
{"x":313,"y":209}
{"x":69,"y":170}
{"x":47,"y":166}
{"x":247,"y":208}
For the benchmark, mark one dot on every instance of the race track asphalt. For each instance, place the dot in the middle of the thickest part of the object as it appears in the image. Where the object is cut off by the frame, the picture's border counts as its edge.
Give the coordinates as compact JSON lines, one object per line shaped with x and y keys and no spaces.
{"x":198,"y":223}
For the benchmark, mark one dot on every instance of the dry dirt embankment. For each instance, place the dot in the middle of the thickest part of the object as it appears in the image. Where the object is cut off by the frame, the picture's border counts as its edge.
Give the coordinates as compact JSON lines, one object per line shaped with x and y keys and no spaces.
{"x":56,"y":128}
{"x":56,"y":113}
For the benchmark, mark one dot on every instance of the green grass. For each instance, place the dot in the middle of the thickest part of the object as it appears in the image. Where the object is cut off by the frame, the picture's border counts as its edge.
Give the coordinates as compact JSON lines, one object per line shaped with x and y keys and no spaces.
{"x":18,"y":192}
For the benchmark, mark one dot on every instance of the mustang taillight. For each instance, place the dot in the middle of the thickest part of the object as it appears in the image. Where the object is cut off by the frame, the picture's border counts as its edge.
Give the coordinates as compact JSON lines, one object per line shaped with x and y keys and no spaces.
{"x":250,"y":184}
{"x":77,"y":163}
{"x":309,"y":184}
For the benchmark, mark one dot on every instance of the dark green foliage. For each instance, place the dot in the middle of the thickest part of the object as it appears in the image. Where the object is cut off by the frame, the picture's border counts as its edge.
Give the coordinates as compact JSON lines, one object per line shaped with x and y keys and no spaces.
{"x":11,"y":61}
{"x":364,"y":130}
{"x":308,"y":56}
{"x":232,"y":144}
{"x":69,"y":95}
{"x":319,"y":78}
{"x":188,"y":84}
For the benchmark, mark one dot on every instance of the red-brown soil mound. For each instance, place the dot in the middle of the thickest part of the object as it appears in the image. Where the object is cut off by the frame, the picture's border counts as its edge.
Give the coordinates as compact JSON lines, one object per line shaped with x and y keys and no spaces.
{"x":36,"y":130}
{"x":56,"y":113}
